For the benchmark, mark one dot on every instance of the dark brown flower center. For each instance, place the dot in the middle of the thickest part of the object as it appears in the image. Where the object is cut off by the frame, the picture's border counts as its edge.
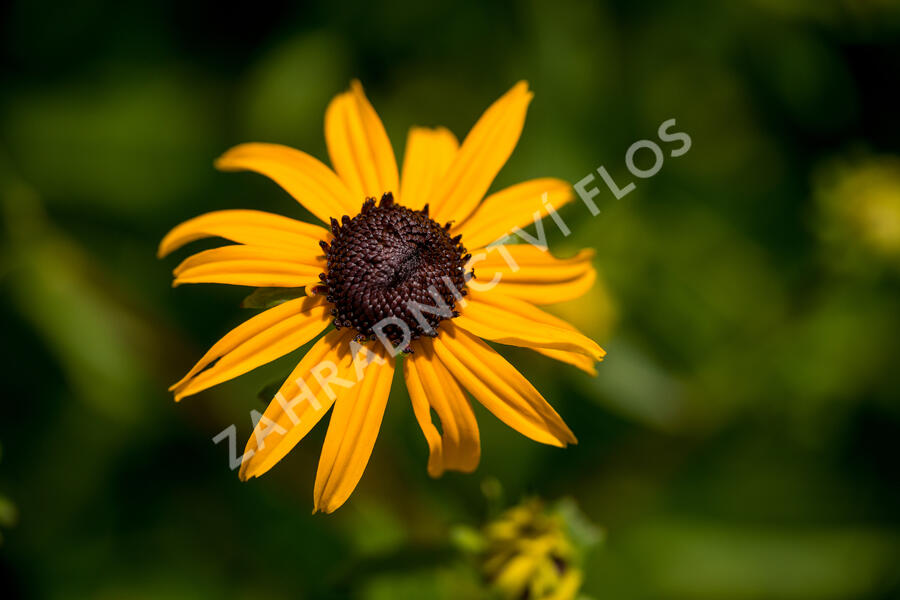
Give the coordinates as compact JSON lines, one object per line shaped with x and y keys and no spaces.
{"x":393,"y":270}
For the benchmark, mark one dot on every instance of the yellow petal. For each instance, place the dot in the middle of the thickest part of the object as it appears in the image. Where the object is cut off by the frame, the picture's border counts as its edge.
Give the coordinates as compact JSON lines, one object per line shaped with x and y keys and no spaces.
{"x":351,"y":434}
{"x":485,"y":150}
{"x":524,"y":263}
{"x":250,"y":265}
{"x":549,"y":293}
{"x":531,"y":273}
{"x":242,"y":252}
{"x":252,"y":227}
{"x":422,"y":410}
{"x":513,"y":579}
{"x":429,"y":153}
{"x":431,"y":386}
{"x":576,"y":359}
{"x":295,"y":410}
{"x":310,"y":182}
{"x":359,"y":146}
{"x":499,"y":386}
{"x":257,"y":341}
{"x":517,"y":206}
{"x":568,"y":587}
{"x":507,"y":320}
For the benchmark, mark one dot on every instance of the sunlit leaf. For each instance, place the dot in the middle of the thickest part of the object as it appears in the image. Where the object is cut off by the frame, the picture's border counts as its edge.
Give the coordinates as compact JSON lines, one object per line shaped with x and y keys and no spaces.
{"x":268,"y":297}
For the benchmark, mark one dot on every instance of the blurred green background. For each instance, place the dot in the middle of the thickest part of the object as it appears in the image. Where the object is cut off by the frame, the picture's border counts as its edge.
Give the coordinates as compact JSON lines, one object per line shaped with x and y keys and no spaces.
{"x":741,"y":438}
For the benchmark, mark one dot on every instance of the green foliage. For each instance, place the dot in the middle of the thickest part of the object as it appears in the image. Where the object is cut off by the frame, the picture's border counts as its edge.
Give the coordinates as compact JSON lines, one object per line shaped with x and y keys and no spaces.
{"x":8,"y":513}
{"x":269,"y":297}
{"x":738,"y":441}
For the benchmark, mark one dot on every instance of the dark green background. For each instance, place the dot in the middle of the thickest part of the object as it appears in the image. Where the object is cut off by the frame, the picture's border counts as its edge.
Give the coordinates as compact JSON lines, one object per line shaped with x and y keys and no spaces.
{"x":740,"y":440}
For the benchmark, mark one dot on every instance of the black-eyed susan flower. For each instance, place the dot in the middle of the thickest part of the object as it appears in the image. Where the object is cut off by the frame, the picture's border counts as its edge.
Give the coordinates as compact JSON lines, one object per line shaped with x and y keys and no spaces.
{"x":391,"y":275}
{"x":533,"y":551}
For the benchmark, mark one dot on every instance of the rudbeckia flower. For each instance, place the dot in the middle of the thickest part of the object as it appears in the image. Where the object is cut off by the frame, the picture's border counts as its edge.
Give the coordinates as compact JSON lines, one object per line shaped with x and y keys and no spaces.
{"x":530,"y":552}
{"x":396,"y":281}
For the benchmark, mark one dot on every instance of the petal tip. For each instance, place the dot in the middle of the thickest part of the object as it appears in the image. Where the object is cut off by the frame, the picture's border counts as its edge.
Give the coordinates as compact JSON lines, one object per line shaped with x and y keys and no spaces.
{"x":250,"y":469}
{"x":225,"y":162}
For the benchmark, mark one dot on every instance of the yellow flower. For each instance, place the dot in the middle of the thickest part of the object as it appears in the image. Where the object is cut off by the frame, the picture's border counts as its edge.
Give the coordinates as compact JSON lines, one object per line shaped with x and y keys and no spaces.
{"x":860,"y":204}
{"x":398,"y":269}
{"x":529,"y":554}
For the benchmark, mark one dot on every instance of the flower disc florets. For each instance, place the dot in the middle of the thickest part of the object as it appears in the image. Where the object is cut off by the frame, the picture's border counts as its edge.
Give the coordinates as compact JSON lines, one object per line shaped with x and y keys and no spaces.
{"x":391,"y":266}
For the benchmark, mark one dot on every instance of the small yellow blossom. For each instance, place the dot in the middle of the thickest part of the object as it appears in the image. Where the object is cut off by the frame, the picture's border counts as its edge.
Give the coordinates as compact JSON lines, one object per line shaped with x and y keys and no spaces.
{"x":860,"y":206}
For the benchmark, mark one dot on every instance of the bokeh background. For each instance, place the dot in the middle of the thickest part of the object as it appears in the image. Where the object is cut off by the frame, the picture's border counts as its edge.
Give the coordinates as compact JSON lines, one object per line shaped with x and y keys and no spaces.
{"x":740,"y":440}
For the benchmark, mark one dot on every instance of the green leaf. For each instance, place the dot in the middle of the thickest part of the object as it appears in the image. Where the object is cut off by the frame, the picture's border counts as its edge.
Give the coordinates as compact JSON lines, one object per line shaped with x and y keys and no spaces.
{"x":267,"y":297}
{"x":584,"y":533}
{"x":8,"y":512}
{"x":467,"y":539}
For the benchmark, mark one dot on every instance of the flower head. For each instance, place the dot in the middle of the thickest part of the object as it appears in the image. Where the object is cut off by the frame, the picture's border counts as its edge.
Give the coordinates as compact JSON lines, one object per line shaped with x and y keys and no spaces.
{"x":533,"y":551}
{"x":393,"y":275}
{"x":383,"y":263}
{"x":860,"y":206}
